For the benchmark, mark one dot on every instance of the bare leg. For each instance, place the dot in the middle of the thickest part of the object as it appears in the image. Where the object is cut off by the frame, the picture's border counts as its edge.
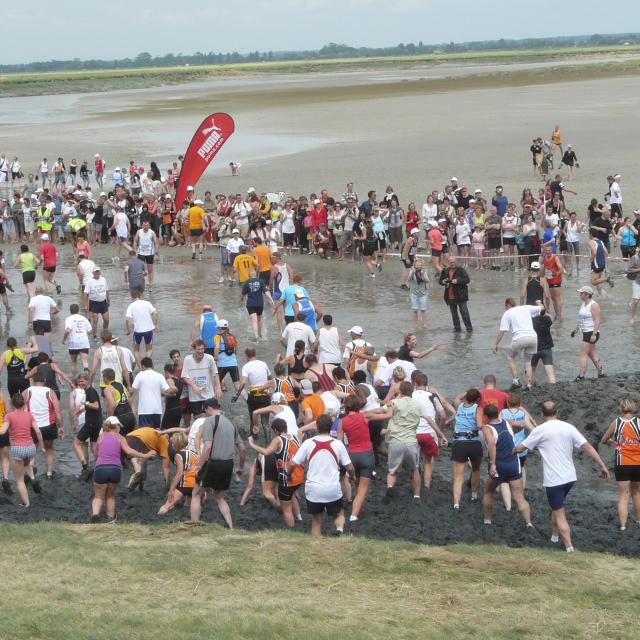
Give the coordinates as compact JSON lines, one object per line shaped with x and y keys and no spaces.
{"x":18,"y":475}
{"x":99,"y":492}
{"x":561,"y":526}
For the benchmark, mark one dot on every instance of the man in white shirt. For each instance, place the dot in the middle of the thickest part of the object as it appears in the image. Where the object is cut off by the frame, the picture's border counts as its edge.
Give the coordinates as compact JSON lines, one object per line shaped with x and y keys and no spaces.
{"x":97,"y":292}
{"x":518,"y":320}
{"x":323,"y":456}
{"x":256,"y":376}
{"x":147,"y":246}
{"x":150,"y":386}
{"x":556,"y":440}
{"x":356,"y":346}
{"x":76,"y":335}
{"x":122,"y":227}
{"x":329,"y":343}
{"x":298,"y":330}
{"x":615,"y":195}
{"x":141,"y":318}
{"x":40,"y":309}
{"x":383,"y":376}
{"x":84,"y":271}
{"x":200,"y":374}
{"x":240,"y":212}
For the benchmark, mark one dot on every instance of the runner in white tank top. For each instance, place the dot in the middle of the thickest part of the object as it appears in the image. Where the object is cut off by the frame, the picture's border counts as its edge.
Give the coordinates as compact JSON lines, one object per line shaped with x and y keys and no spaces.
{"x":40,"y":405}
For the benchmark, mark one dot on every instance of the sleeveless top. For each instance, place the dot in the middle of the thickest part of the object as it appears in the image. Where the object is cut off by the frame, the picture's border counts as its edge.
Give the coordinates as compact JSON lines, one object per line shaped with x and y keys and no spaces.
{"x":507,"y":463}
{"x":627,"y":441}
{"x":466,"y":427}
{"x":110,"y":359}
{"x":208,"y":328}
{"x":49,"y":376}
{"x":14,"y":361}
{"x":599,"y":262}
{"x":518,"y":437}
{"x":121,"y":399}
{"x":306,"y":305}
{"x":288,"y":448}
{"x":40,"y":406}
{"x":190,"y":467}
{"x":109,"y":450}
{"x":27,"y":262}
{"x":298,"y":365}
{"x":280,"y":281}
{"x":552,"y":271}
{"x":284,"y":385}
{"x":325,"y":380}
{"x":585,"y":317}
{"x":534,"y":290}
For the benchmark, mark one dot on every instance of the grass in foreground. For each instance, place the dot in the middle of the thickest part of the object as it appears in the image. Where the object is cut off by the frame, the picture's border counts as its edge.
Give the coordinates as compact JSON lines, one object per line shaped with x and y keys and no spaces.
{"x":131,"y":581}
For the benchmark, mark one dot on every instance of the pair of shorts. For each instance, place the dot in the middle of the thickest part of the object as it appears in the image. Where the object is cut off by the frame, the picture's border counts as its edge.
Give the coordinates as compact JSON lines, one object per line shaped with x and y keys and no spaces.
{"x":467,"y":451}
{"x":287,"y":493}
{"x":122,"y":238}
{"x":369,"y":248}
{"x":150,"y":420}
{"x":508,"y":241}
{"x":573,"y":247}
{"x":403,"y":452}
{"x":267,"y":468}
{"x":89,"y":432}
{"x":28,"y":277}
{"x":596,"y":269}
{"x":107,"y":474}
{"x":586,"y":336}
{"x":546,"y":355}
{"x":136,"y":444}
{"x":627,"y":473}
{"x":172,"y":417}
{"x":556,"y":496}
{"x":232,"y":371}
{"x":195,"y":233}
{"x":128,"y":422}
{"x":436,"y":253}
{"x":44,"y":325}
{"x":139,"y":336}
{"x":49,"y":269}
{"x":408,"y":263}
{"x":428,"y":445}
{"x":5,"y":440}
{"x":501,"y":479}
{"x":98,"y":306}
{"x":333,"y":509}
{"x":364,"y":463}
{"x":554,"y":285}
{"x":627,"y":251}
{"x":22,"y":452}
{"x":418,"y":303}
{"x":49,"y":433}
{"x":527,"y":344}
{"x":218,"y":476}
{"x":75,"y":352}
{"x":147,"y":259}
{"x":196,"y":407}
{"x":289,"y":239}
{"x":185,"y":491}
{"x":257,"y":310}
{"x":493,"y":243}
{"x":16,"y":385}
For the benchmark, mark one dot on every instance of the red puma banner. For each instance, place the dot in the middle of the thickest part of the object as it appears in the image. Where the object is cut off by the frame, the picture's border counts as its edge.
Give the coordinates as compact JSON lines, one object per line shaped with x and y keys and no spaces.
{"x":212,"y":133}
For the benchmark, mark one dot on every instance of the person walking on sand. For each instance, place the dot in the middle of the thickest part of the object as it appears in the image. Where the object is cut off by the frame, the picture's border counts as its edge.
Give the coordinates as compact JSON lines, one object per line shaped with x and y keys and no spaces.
{"x":589,"y":319}
{"x":556,"y":440}
{"x":455,"y":281}
{"x":599,"y":262}
{"x":624,"y":434}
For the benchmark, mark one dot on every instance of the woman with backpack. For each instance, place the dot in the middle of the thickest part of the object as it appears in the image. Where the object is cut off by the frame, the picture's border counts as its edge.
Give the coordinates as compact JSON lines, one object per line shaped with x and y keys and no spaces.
{"x":225,"y":349}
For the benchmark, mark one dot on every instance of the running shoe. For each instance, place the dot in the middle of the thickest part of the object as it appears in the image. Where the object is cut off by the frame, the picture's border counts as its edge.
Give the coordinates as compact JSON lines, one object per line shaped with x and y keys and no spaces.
{"x":193,"y":256}
{"x":135,"y":480}
{"x":95,"y":518}
{"x":58,"y":289}
{"x":579,"y":379}
{"x":86,"y":474}
{"x":389,"y":495}
{"x":515,"y":385}
{"x":610,"y":281}
{"x":6,"y":487}
{"x":51,"y":475}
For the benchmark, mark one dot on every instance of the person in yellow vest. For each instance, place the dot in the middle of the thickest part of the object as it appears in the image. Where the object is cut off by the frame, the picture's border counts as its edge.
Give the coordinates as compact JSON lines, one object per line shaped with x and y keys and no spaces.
{"x":197,"y":223}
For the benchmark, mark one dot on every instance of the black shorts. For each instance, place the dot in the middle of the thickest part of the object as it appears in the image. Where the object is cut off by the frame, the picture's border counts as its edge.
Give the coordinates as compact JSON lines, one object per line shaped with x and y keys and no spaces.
{"x":595,"y":269}
{"x":107,"y":474}
{"x":16,"y":385}
{"x":75,"y":352}
{"x":436,"y":253}
{"x":136,"y":444}
{"x":28,"y":276}
{"x":616,"y":209}
{"x":149,"y":420}
{"x":267,"y":468}
{"x":506,"y":241}
{"x":287,"y":493}
{"x":185,"y":491}
{"x":627,"y":251}
{"x":364,"y":463}
{"x":407,"y":263}
{"x":172,"y":417}
{"x":586,"y":336}
{"x":467,"y":450}
{"x":128,"y":422}
{"x":89,"y":432}
{"x":147,"y":259}
{"x":627,"y":473}
{"x":546,"y":355}
{"x":3,"y":288}
{"x":555,"y":285}
{"x":382,"y":244}
{"x":369,"y":248}
{"x":196,"y":233}
{"x":5,"y":440}
{"x":332,"y":508}
{"x":232,"y":371}
{"x":49,"y":269}
{"x":98,"y":306}
{"x":289,"y":239}
{"x":196,"y":408}
{"x":45,"y":325}
{"x":218,"y":475}
{"x":493,"y":243}
{"x":257,"y":310}
{"x":49,"y":433}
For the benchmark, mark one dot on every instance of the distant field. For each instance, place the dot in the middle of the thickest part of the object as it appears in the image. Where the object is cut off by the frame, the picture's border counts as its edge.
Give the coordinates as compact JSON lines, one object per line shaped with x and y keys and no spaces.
{"x":130,"y":581}
{"x":105,"y":80}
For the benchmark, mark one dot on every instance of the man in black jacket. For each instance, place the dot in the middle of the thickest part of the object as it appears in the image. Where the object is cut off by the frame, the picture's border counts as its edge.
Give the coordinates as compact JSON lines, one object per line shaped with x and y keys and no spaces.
{"x":455,"y":279}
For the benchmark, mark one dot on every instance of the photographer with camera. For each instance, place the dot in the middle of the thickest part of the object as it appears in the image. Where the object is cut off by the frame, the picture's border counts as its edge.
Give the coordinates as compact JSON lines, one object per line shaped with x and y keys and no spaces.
{"x":455,"y":281}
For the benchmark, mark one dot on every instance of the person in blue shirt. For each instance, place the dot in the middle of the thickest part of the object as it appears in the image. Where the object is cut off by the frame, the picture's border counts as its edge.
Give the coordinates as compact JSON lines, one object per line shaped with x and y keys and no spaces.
{"x":304,"y":305}
{"x":255,"y":289}
{"x":206,"y":328}
{"x":289,"y":297}
{"x":500,"y":201}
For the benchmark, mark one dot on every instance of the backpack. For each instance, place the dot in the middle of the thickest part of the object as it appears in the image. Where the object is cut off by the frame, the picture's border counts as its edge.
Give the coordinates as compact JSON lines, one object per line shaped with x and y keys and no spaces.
{"x":229,"y":344}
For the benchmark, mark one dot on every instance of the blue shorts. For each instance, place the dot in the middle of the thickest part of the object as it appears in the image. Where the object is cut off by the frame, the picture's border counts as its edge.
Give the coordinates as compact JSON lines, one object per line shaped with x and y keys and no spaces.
{"x":149,"y":420}
{"x":147,"y":336}
{"x":107,"y":474}
{"x":557,"y":495}
{"x":276,"y":295}
{"x":98,"y":306}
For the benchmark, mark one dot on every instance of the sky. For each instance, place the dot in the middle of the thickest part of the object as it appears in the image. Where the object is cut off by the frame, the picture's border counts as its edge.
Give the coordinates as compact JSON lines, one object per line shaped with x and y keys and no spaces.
{"x":66,"y":29}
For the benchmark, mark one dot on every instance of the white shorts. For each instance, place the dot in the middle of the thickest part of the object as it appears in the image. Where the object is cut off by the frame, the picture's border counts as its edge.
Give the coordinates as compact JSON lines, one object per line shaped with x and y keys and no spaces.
{"x":635,"y":290}
{"x":528,"y":344}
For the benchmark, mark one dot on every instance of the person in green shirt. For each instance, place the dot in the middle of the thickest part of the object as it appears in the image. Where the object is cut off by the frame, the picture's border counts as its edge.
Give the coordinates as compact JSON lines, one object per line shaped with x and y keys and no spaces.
{"x":28,"y":264}
{"x":404,"y":417}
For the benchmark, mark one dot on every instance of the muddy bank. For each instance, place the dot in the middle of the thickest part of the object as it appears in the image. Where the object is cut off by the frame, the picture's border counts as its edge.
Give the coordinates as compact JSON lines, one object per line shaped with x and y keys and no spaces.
{"x":431,"y":520}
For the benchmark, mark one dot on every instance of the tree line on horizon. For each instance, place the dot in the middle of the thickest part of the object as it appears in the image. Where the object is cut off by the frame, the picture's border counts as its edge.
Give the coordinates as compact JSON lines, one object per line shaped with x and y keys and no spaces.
{"x":329,"y":51}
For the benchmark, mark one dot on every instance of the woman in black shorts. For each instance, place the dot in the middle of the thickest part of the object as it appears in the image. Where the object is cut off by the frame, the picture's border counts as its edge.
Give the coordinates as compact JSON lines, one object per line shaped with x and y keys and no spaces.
{"x":624,"y":431}
{"x":172,"y":416}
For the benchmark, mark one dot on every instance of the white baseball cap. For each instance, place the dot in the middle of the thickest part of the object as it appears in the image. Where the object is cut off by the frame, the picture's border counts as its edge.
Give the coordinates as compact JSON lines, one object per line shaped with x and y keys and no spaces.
{"x":223,"y":324}
{"x":167,"y":197}
{"x":453,"y":179}
{"x":415,"y":230}
{"x":189,"y":188}
{"x":278,"y":398}
{"x":44,"y":236}
{"x":357,"y":329}
{"x":251,"y":190}
{"x":97,"y":155}
{"x":535,"y":266}
{"x":236,"y":230}
{"x":197,"y":202}
{"x":299,"y":293}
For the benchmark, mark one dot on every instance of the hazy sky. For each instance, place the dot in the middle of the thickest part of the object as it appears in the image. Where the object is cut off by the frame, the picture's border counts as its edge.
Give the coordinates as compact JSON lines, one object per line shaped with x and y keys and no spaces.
{"x":66,"y":29}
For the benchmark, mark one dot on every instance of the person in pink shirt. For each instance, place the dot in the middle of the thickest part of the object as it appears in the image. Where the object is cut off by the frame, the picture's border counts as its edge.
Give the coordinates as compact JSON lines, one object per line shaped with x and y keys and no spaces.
{"x":49,"y":255}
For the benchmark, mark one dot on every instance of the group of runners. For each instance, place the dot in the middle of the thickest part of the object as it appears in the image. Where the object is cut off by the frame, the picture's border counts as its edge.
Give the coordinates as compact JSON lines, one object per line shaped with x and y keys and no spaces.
{"x":369,"y":412}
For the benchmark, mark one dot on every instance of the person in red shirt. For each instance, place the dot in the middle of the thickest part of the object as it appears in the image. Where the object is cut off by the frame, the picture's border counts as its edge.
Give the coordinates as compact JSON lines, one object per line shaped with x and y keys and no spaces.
{"x":491,"y":395}
{"x":49,"y":255}
{"x":318,"y":216}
